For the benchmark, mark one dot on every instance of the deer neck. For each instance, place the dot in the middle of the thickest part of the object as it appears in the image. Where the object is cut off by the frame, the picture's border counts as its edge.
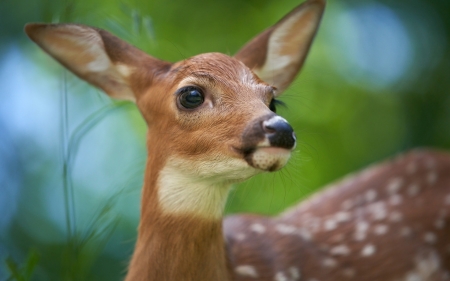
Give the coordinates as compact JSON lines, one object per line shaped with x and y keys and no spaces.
{"x":180,"y":232}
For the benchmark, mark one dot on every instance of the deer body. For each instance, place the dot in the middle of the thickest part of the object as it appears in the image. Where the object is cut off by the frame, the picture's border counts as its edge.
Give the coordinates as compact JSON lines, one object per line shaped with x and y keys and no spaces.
{"x":389,"y":222}
{"x":212,"y":123}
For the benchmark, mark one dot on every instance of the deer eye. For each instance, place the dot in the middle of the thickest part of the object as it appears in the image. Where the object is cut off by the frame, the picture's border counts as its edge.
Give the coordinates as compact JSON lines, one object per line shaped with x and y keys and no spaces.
{"x":190,"y":97}
{"x":274,"y":103}
{"x":272,"y":106}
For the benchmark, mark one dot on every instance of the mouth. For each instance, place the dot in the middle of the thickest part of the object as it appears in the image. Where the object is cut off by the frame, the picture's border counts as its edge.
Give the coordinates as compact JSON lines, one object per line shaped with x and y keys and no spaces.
{"x":266,"y":158}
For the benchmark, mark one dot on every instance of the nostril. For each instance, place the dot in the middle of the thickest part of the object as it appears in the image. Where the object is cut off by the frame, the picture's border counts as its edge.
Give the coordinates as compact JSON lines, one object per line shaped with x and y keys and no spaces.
{"x":277,"y":125}
{"x":268,"y":128}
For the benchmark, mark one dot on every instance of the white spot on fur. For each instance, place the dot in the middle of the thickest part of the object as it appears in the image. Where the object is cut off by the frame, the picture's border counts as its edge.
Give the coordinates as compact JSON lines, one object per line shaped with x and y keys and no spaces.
{"x":340,"y":250}
{"x":329,"y":262}
{"x":361,"y":230}
{"x":362,"y":226}
{"x":432,"y":177}
{"x":395,"y":200}
{"x":280,"y":276}
{"x":368,"y":250}
{"x":342,"y":217}
{"x":413,"y":277}
{"x":295,"y":273}
{"x":430,"y":237}
{"x":246,"y":271}
{"x":406,"y":231}
{"x":360,"y":236}
{"x":439,"y":223}
{"x":380,"y":229}
{"x":305,"y":234}
{"x":370,"y":195}
{"x":395,"y":216}
{"x":330,"y":224}
{"x":447,"y":200}
{"x":394,"y":185}
{"x":425,"y":269}
{"x":258,"y":228}
{"x":413,"y":189}
{"x":240,"y":236}
{"x":378,"y":211}
{"x":285,"y":229}
{"x":312,"y":223}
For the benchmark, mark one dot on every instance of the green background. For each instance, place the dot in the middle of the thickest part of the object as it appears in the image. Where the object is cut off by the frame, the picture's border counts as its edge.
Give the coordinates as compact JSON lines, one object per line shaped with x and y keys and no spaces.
{"x":376,"y":83}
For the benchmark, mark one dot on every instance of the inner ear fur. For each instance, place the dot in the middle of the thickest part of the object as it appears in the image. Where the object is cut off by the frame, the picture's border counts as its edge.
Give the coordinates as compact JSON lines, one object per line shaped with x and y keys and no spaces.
{"x":277,"y":54}
{"x":96,"y":56}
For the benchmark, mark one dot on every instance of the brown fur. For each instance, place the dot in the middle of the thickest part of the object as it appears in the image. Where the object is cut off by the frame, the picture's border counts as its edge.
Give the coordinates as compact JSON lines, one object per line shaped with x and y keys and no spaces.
{"x":189,"y":248}
{"x":178,"y":248}
{"x":421,"y":233}
{"x":198,"y":134}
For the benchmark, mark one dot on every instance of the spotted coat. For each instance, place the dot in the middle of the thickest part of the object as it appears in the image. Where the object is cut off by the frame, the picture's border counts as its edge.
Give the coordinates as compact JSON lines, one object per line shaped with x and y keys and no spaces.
{"x":390,"y":222}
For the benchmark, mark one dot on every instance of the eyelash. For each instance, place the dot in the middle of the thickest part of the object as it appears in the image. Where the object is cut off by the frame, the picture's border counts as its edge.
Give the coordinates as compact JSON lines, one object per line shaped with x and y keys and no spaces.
{"x":274,"y":103}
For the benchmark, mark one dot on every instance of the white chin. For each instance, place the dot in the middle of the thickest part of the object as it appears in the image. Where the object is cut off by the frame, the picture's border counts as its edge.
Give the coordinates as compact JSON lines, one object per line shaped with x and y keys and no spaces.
{"x":270,"y":158}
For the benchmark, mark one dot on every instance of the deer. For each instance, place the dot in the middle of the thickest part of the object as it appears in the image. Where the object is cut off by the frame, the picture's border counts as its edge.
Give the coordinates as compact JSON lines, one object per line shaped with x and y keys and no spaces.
{"x":212,"y":123}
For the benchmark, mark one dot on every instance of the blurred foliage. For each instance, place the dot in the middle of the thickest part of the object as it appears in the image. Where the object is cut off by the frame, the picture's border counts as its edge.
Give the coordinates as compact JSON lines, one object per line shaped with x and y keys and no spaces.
{"x":23,"y":273}
{"x":71,"y":160}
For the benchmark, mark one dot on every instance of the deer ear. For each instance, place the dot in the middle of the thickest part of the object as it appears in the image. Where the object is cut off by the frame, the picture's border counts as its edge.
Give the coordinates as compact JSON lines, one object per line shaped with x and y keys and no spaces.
{"x":95,"y":55}
{"x":277,"y":54}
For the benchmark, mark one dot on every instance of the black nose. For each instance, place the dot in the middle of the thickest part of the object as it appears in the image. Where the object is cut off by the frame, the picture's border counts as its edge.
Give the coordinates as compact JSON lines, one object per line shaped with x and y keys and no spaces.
{"x":279,"y":132}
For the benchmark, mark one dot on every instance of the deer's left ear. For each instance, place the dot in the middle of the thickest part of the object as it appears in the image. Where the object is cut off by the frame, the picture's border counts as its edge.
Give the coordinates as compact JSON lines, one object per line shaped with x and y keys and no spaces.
{"x":277,"y":54}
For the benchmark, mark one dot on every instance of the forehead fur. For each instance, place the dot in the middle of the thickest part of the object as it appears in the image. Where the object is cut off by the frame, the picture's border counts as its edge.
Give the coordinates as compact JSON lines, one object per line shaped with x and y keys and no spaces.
{"x":219,"y":67}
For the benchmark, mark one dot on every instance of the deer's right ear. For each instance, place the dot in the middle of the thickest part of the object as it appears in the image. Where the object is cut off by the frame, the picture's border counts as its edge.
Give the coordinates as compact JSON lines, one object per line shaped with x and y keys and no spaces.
{"x":277,"y":54}
{"x":96,"y":56}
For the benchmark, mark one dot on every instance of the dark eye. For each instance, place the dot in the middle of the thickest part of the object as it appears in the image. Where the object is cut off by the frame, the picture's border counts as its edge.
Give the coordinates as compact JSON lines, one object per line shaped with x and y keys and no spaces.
{"x":190,"y":97}
{"x":273,"y":104}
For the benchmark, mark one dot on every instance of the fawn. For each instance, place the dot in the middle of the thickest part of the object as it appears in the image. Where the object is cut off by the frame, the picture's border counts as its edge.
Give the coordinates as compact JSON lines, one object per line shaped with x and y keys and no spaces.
{"x":212,"y":123}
